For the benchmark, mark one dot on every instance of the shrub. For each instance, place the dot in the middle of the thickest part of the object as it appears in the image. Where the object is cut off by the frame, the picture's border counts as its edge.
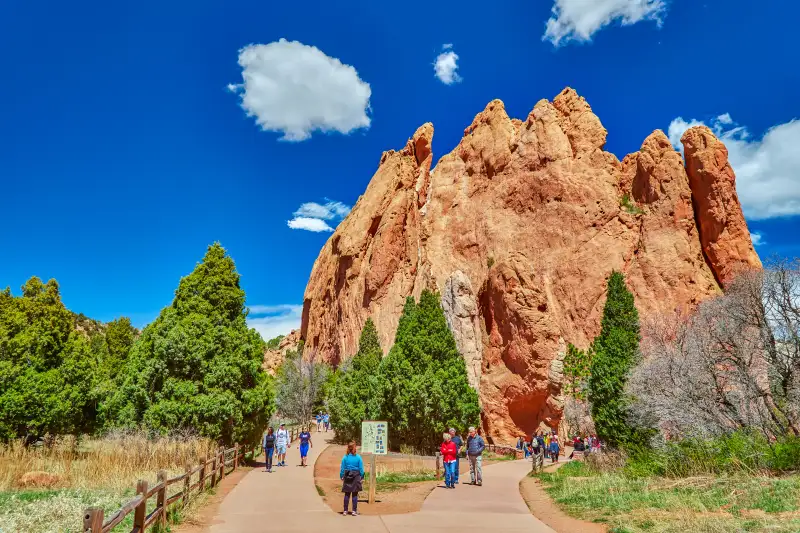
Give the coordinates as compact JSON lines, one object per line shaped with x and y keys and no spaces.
{"x":198,"y":365}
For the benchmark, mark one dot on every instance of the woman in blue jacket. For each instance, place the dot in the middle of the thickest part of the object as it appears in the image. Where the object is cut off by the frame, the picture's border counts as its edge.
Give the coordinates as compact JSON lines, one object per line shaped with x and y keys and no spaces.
{"x":351,"y":473}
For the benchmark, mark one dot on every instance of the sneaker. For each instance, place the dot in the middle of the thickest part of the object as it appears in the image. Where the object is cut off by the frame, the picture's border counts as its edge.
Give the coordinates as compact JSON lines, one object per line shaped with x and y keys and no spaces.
{"x":354,"y":513}
{"x":345,"y":513}
{"x":480,"y":483}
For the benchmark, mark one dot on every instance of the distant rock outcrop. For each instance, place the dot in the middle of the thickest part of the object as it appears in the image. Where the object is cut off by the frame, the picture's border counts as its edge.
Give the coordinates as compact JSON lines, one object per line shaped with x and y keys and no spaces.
{"x":274,"y":358}
{"x":519,"y":228}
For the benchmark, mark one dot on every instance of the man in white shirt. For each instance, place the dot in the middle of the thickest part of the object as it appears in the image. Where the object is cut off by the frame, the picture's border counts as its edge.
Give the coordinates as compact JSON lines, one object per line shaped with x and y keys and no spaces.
{"x":281,"y":443}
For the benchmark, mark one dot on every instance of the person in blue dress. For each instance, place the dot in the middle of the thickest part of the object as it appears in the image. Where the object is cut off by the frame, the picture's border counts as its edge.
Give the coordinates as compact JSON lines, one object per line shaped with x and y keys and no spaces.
{"x":351,"y":473}
{"x":326,"y":421}
{"x":305,"y":444}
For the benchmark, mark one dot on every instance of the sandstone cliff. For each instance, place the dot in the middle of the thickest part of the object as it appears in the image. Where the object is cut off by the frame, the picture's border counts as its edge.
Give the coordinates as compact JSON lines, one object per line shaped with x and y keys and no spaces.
{"x":274,"y":358}
{"x":518,"y":228}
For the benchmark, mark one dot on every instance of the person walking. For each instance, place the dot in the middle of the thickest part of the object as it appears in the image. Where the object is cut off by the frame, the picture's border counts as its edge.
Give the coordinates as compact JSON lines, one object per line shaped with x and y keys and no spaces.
{"x":351,"y":473}
{"x":554,"y":447}
{"x":449,"y":452}
{"x":547,"y":445}
{"x":475,"y":447}
{"x":326,"y":421}
{"x":319,"y":421}
{"x":281,"y":443}
{"x":459,"y":444}
{"x":305,"y":443}
{"x":268,"y":443}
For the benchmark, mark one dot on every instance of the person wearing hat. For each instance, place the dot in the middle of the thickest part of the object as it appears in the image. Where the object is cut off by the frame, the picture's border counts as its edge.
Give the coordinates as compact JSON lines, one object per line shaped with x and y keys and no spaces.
{"x":281,"y":443}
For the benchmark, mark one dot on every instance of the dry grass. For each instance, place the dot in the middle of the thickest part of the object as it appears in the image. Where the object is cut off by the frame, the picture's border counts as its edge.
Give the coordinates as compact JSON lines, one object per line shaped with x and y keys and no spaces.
{"x":46,"y":489}
{"x":114,"y":462}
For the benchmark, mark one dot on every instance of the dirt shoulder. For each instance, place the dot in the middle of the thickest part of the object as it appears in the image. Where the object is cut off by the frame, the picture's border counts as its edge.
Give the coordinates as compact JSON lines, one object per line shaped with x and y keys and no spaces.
{"x":545,"y":509}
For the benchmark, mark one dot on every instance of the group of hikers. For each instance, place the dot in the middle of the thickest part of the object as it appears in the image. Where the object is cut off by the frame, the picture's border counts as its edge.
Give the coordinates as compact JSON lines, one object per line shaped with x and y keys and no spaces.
{"x":451,"y":448}
{"x":323,"y":421}
{"x":547,"y":443}
{"x":277,"y":442}
{"x":351,"y":470}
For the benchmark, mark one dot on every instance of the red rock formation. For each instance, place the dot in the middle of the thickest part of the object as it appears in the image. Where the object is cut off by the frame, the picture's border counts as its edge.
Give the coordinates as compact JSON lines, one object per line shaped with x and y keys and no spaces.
{"x":274,"y":358}
{"x":518,"y":228}
{"x":723,"y":231}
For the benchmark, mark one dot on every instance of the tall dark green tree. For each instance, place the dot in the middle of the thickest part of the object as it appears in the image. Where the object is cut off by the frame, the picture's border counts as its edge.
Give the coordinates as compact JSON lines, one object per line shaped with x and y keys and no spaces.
{"x":198,"y":365}
{"x":355,"y":395}
{"x":423,"y":379}
{"x":616,"y":351}
{"x":47,"y":371}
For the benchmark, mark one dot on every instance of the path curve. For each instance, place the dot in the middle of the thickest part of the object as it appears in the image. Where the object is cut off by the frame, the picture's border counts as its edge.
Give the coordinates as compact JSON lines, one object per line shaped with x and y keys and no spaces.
{"x":287,"y":500}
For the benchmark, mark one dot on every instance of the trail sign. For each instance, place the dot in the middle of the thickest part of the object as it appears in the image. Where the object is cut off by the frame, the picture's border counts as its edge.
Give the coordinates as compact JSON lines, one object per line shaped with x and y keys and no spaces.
{"x":375,"y":437}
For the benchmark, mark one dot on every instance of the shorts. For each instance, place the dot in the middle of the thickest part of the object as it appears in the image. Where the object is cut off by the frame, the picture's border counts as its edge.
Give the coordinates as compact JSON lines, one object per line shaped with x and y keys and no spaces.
{"x":280,"y":449}
{"x":303,"y":450}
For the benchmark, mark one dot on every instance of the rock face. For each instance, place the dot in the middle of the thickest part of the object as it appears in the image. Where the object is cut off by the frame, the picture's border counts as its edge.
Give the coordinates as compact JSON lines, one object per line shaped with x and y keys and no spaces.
{"x":723,"y":231}
{"x":274,"y":358}
{"x":519,"y":228}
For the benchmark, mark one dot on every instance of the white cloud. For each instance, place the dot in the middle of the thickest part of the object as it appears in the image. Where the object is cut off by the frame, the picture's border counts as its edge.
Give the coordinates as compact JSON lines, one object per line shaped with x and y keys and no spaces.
{"x":310,"y":224}
{"x":327,"y":211}
{"x":757,"y":238}
{"x":446,"y":65}
{"x":767,"y":170}
{"x":273,"y":320}
{"x":677,"y":128}
{"x":296,"y":89}
{"x":578,"y":20}
{"x":312,"y":216}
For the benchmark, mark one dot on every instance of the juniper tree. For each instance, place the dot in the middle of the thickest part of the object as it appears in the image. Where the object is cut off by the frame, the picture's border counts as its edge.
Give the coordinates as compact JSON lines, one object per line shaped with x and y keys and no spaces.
{"x":198,"y":366}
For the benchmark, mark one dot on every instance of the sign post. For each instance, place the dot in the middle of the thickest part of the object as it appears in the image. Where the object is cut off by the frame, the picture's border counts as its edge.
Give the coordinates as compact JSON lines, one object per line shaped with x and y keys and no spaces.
{"x":374,"y":441}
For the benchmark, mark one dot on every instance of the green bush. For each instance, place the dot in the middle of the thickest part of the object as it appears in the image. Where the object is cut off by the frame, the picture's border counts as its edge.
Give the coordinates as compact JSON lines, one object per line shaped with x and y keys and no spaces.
{"x":741,"y":451}
{"x":49,"y":371}
{"x":198,"y":365}
{"x":354,"y":395}
{"x":423,"y":380}
{"x":616,"y":351}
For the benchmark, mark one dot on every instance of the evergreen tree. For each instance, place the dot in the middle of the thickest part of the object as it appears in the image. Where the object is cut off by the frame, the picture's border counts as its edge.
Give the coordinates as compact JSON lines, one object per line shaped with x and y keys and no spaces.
{"x":119,"y":337}
{"x":423,"y":379}
{"x":47,"y":371}
{"x":355,"y":395}
{"x":198,"y":365}
{"x":616,"y":351}
{"x":577,"y":367}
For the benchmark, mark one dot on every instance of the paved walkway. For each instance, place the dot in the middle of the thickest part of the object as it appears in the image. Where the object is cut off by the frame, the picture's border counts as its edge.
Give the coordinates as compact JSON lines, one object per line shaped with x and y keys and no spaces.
{"x":287,"y":500}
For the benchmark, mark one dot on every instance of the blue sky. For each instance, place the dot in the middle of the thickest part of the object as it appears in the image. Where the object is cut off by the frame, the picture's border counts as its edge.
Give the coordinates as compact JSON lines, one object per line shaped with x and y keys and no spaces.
{"x":125,"y":146}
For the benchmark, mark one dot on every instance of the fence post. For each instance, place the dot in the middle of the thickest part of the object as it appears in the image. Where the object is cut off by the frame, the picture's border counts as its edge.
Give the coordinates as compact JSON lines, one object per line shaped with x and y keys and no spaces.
{"x":161,"y":498}
{"x":438,"y":459}
{"x":201,"y":486}
{"x":140,"y":512}
{"x":93,"y":520}
{"x":187,"y":483}
{"x":235,"y":456}
{"x":222,"y":468}
{"x":214,"y":471}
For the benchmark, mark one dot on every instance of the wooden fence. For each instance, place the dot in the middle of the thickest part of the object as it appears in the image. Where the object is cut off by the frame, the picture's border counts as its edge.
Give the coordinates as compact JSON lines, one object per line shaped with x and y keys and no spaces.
{"x":209,"y":473}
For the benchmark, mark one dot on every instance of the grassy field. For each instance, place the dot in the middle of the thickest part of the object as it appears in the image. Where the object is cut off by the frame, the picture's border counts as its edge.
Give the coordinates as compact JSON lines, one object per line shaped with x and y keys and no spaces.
{"x":711,"y":503}
{"x":46,"y":489}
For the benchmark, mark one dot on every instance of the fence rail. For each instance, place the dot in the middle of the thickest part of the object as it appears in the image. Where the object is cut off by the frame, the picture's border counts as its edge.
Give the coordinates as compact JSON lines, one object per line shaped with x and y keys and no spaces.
{"x":210,"y":472}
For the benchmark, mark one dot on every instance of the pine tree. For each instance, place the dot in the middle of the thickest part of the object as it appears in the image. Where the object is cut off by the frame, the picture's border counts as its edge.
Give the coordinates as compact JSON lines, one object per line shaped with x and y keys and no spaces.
{"x":198,"y":365}
{"x":424,"y":381}
{"x":355,"y":394}
{"x":47,"y":371}
{"x":616,"y":351}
